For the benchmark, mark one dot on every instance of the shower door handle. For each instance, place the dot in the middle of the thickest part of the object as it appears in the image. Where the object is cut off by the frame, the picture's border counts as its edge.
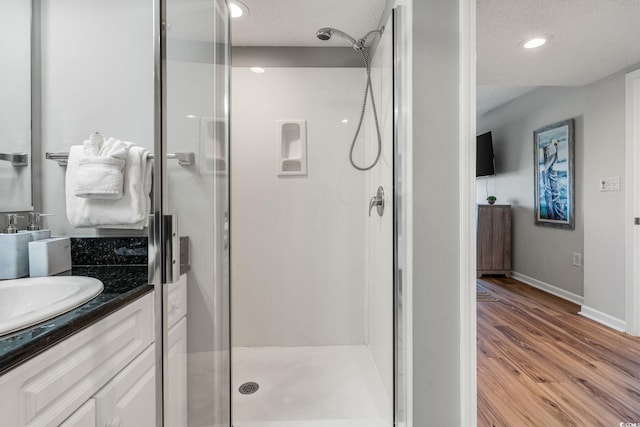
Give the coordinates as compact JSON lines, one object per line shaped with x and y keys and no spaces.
{"x":171,"y":249}
{"x":377,"y":201}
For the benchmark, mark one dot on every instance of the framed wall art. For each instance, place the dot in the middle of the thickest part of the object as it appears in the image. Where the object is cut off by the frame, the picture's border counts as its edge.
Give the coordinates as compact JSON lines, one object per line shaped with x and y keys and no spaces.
{"x":553,"y":147}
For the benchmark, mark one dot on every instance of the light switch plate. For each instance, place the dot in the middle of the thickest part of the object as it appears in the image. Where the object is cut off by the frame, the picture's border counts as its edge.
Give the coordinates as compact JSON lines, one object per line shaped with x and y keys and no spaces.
{"x":609,"y":184}
{"x":577,"y":259}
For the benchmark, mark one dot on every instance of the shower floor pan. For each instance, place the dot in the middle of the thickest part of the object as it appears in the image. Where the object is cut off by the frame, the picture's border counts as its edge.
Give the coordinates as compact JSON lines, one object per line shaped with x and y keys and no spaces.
{"x":326,"y":386}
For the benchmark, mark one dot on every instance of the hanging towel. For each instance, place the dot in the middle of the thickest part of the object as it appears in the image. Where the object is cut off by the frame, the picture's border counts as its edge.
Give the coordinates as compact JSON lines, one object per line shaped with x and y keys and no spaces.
{"x":131,"y":211}
{"x":100,"y":170}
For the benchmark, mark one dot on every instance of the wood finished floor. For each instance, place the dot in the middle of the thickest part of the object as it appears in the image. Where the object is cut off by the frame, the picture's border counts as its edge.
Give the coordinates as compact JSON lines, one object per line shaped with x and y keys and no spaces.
{"x":542,"y":364}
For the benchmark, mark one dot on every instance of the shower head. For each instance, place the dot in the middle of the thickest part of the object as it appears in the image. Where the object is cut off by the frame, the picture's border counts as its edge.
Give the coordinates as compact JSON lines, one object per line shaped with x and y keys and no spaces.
{"x":326,"y":33}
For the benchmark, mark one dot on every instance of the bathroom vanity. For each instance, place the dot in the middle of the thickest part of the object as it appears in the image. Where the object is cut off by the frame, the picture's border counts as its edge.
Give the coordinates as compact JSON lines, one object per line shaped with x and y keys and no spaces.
{"x":87,"y":375}
{"x":95,"y":365}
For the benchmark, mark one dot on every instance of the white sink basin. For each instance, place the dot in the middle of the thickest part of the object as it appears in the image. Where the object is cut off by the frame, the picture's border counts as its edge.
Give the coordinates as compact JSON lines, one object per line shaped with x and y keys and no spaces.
{"x":25,"y":302}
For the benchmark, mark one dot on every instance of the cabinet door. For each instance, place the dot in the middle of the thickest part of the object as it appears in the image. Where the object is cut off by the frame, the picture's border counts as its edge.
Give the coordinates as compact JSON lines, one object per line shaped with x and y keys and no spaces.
{"x":177,"y":300}
{"x":494,"y":239}
{"x":48,"y":389}
{"x":85,"y":416}
{"x":176,"y":412}
{"x":128,"y":400}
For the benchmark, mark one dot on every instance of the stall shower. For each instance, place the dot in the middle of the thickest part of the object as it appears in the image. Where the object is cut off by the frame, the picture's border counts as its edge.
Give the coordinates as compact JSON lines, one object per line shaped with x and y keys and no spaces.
{"x":311,"y":264}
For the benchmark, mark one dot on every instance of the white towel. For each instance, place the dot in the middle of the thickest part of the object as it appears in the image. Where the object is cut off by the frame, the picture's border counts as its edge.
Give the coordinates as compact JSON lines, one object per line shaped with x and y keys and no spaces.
{"x":131,"y":211}
{"x":100,"y":171}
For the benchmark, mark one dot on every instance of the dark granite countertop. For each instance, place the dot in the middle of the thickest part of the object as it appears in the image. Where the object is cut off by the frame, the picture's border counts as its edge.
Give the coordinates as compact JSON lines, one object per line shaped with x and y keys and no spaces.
{"x":122,"y":285}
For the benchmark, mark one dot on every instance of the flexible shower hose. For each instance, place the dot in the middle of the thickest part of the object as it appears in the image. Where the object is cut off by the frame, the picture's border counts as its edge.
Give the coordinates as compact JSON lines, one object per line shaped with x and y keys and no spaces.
{"x":367,"y":89}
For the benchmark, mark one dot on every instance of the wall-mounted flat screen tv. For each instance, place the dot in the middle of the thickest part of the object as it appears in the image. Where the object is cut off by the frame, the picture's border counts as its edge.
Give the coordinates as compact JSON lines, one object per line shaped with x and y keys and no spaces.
{"x":484,"y":155}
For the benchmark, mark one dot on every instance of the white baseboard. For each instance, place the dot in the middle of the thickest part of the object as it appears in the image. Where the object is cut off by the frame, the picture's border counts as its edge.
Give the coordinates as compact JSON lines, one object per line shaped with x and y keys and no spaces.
{"x":603,"y":318}
{"x":553,"y":290}
{"x":586,"y":311}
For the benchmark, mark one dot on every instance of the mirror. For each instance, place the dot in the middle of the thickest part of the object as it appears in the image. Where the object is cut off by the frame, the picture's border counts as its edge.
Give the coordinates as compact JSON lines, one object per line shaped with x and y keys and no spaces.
{"x":15,"y":106}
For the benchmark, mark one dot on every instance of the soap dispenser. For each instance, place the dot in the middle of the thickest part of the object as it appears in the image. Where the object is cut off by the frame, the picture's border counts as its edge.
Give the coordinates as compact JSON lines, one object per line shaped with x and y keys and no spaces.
{"x":34,"y":226}
{"x":12,"y":220}
{"x":34,"y":220}
{"x":14,"y":247}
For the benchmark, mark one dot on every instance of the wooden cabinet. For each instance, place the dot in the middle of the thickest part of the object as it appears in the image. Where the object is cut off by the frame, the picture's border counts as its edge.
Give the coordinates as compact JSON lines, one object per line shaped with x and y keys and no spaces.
{"x":494,"y":239}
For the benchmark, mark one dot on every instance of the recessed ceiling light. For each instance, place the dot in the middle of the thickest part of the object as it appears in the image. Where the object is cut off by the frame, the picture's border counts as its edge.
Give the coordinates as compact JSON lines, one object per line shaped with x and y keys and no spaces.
{"x":535,"y":42}
{"x":238,"y":9}
{"x":257,"y":70}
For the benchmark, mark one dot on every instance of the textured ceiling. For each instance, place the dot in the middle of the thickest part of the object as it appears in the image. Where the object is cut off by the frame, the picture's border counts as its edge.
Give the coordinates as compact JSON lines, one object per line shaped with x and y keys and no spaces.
{"x":295,"y":22}
{"x":591,"y":39}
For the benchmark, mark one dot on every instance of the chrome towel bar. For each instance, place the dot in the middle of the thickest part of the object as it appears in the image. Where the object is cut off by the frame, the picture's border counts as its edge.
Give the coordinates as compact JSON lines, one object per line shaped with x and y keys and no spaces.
{"x":184,"y":159}
{"x":16,"y":159}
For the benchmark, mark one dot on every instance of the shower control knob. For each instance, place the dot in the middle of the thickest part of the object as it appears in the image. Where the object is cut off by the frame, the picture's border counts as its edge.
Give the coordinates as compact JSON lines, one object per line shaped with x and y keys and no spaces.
{"x":378,"y":202}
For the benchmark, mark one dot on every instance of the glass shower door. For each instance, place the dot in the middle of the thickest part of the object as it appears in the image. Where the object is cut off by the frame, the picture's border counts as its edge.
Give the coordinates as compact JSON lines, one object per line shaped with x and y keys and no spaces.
{"x":193,"y":203}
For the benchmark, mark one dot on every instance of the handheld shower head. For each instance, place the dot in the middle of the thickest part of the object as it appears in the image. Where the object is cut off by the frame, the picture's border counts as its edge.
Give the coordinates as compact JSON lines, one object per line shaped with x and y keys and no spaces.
{"x":326,"y":33}
{"x":359,"y":45}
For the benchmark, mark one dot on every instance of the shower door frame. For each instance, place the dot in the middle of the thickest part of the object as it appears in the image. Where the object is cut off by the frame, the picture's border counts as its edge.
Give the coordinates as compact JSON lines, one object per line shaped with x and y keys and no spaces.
{"x":163,"y":245}
{"x":159,"y":206}
{"x":401,"y":286}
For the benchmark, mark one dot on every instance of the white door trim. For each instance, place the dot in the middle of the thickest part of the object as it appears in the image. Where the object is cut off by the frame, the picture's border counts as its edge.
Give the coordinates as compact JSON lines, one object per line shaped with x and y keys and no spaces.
{"x":467,"y":147}
{"x":632,"y":176}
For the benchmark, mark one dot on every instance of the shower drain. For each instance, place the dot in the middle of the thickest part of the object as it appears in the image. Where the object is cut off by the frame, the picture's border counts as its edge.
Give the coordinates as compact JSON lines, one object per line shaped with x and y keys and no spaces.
{"x":248,"y":388}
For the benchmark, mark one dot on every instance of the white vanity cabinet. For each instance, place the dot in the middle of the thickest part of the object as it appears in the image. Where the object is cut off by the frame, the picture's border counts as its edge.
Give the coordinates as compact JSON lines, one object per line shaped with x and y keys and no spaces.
{"x":103,"y":375}
{"x":83,"y":417}
{"x":176,"y":399}
{"x":49,"y":388}
{"x":129,"y":398}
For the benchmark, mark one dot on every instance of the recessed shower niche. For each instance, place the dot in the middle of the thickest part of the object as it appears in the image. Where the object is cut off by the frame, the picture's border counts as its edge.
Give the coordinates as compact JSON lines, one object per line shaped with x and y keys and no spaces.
{"x":213,"y":150}
{"x":292,"y":147}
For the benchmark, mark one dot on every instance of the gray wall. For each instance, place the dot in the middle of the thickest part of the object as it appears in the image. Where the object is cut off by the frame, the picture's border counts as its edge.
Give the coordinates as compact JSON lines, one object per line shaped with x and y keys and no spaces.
{"x":546,"y":254}
{"x":604,"y":238}
{"x":436,"y":207}
{"x":541,"y":253}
